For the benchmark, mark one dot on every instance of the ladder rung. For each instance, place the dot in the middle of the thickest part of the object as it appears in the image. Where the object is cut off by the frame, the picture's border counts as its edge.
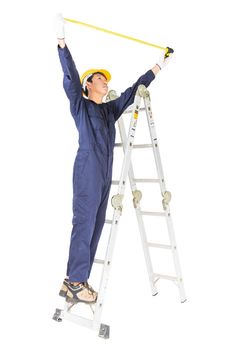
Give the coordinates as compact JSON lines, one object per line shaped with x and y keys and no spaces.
{"x":118,"y":144}
{"x":129,"y":110}
{"x":167,"y":277}
{"x":153,"y":213}
{"x":115,"y":182}
{"x":108,"y":221}
{"x":99,"y":261}
{"x":146,"y":180}
{"x":143,"y":145}
{"x":156,"y":245}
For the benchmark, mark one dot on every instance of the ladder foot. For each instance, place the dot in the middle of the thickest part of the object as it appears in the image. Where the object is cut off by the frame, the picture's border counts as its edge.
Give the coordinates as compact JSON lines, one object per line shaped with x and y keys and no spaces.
{"x":104,"y":331}
{"x":183,"y":301}
{"x":57,"y":314}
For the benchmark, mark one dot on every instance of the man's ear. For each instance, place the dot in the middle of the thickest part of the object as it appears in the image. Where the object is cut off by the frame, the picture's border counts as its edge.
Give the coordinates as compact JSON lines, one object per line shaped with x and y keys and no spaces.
{"x":88,"y":85}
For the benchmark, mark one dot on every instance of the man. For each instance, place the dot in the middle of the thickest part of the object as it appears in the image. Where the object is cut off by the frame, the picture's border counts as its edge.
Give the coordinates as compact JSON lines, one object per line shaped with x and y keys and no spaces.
{"x":92,"y":172}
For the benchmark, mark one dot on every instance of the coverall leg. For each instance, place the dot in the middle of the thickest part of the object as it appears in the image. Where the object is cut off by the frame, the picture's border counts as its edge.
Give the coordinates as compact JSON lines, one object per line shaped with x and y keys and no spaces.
{"x":100,"y":219}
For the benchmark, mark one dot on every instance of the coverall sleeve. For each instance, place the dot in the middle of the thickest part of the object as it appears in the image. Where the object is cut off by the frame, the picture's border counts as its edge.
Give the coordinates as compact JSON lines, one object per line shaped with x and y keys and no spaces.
{"x":127,"y":97}
{"x":71,"y":80}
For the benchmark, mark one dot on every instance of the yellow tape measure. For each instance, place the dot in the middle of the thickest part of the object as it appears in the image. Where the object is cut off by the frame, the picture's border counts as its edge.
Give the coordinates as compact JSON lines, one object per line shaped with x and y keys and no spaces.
{"x":167,"y":50}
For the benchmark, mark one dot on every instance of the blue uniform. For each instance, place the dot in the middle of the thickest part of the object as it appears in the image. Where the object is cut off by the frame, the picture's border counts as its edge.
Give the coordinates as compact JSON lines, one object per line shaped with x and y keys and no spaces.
{"x":92,"y":171}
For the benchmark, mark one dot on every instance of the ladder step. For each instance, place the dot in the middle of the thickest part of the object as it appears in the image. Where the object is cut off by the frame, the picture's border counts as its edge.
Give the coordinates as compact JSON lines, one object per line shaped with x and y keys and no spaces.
{"x":167,"y":277}
{"x":118,"y":144}
{"x":156,"y":245}
{"x":153,"y":213}
{"x":115,"y":182}
{"x":146,"y":180}
{"x":143,"y":145}
{"x":108,"y":221}
{"x":129,"y":110}
{"x":99,"y":261}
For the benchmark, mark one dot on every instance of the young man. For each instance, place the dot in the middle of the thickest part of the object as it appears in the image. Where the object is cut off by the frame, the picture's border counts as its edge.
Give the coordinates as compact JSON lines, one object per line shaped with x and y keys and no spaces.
{"x":92,"y":172}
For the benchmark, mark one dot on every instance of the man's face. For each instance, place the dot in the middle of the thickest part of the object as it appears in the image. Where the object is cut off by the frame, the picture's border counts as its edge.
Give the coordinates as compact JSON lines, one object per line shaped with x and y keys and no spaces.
{"x":99,"y":84}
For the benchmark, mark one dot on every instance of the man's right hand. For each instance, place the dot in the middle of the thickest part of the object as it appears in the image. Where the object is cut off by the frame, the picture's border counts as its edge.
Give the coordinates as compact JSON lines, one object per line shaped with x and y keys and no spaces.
{"x":59,"y":26}
{"x":163,"y":60}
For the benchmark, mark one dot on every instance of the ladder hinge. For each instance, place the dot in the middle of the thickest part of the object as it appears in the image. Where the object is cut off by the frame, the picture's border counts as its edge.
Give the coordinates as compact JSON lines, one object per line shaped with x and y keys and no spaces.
{"x":142,"y":91}
{"x":137,"y":196}
{"x":116,"y":201}
{"x":166,"y":199}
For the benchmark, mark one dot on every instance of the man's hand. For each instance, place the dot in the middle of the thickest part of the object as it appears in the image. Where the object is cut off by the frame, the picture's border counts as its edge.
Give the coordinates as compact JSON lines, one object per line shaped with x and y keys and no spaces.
{"x":163,"y":60}
{"x":59,"y":26}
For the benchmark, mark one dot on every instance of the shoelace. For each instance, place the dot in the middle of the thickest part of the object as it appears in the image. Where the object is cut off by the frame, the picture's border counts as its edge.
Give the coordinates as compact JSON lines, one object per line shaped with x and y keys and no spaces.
{"x":89,"y":288}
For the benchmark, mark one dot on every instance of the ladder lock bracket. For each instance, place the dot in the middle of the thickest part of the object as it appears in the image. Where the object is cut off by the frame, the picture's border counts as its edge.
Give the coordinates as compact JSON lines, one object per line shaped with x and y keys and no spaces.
{"x":166,"y":199}
{"x":142,"y":91}
{"x":112,"y":95}
{"x":137,"y":196}
{"x":116,"y":201}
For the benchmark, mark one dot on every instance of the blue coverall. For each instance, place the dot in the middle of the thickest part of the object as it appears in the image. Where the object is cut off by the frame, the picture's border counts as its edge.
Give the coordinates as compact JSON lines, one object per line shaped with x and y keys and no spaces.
{"x":92,"y":171}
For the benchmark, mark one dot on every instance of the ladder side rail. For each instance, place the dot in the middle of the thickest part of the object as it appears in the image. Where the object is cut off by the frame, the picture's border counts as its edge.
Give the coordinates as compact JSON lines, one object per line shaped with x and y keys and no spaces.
{"x":117,"y":212}
{"x":170,"y":227}
{"x":138,"y":212}
{"x":154,"y":141}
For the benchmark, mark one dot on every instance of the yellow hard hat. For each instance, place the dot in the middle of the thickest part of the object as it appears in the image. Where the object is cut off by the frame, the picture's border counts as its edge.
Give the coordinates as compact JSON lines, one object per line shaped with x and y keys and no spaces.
{"x":92,"y":71}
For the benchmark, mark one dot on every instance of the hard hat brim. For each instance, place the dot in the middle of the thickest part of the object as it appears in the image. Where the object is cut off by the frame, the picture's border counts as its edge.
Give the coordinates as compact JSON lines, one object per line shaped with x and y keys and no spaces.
{"x":92,"y":71}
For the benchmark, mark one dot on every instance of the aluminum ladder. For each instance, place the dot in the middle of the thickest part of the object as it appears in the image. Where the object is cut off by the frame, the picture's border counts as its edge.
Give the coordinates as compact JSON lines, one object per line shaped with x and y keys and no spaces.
{"x":116,"y":201}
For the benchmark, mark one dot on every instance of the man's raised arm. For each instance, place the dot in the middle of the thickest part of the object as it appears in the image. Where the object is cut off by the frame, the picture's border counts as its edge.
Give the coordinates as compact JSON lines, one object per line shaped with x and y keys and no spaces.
{"x":119,"y":105}
{"x":71,"y":79}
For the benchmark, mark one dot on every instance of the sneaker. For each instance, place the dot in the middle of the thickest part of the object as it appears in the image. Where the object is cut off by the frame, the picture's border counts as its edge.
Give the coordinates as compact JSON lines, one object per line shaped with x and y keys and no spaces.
{"x":64,"y":288}
{"x":87,"y":285}
{"x":80,"y":293}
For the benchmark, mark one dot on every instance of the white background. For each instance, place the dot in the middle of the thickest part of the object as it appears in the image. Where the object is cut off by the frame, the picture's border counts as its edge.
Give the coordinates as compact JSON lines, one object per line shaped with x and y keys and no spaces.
{"x":192,"y":102}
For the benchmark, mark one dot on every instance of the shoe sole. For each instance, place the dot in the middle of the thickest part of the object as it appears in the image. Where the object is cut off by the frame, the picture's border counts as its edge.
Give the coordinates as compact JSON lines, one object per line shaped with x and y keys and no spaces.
{"x":62,"y":293}
{"x":63,"y":290}
{"x":76,"y":301}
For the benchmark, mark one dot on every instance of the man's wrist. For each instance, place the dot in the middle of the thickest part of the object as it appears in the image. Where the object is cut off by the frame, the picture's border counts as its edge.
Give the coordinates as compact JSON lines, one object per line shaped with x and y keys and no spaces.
{"x":61,"y":43}
{"x":156,"y":69}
